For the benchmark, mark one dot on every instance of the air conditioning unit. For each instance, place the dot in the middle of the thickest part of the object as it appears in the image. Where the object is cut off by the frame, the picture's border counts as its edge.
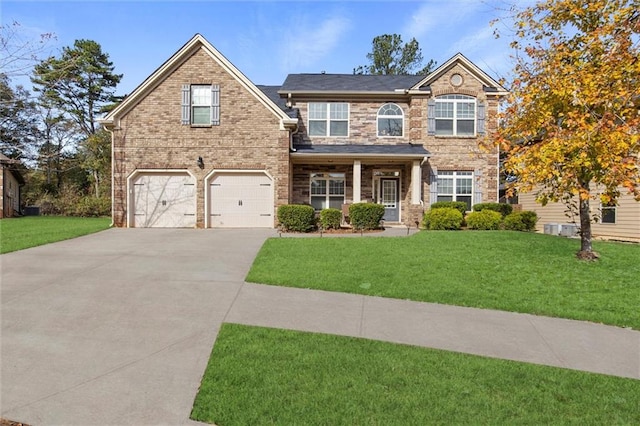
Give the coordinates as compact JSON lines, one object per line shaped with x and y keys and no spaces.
{"x":551,"y":228}
{"x":569,"y":230}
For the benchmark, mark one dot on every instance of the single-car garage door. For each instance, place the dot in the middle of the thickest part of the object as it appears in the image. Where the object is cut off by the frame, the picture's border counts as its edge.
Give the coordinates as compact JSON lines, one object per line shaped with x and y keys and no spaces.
{"x":164,"y":200}
{"x":241,"y":200}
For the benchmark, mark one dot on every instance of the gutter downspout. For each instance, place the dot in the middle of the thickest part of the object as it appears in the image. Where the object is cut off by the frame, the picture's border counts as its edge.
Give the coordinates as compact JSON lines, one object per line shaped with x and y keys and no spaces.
{"x":112,"y":175}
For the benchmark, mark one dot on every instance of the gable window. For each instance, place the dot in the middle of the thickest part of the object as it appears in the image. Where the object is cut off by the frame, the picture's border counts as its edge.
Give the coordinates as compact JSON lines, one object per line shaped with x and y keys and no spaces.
{"x":455,"y":115}
{"x":328,"y":119}
{"x":390,"y":120}
{"x":455,"y":186}
{"x":201,"y":104}
{"x":327,"y":190}
{"x":608,"y":213}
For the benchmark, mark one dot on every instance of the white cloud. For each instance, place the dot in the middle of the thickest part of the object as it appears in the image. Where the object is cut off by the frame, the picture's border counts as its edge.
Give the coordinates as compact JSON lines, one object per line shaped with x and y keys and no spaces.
{"x":307,"y":43}
{"x":434,"y":14}
{"x":474,"y":42}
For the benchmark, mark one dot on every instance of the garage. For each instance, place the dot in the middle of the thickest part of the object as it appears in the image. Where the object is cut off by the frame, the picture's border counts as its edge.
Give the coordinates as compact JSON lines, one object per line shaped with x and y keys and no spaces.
{"x":241,"y":200}
{"x":163,"y":200}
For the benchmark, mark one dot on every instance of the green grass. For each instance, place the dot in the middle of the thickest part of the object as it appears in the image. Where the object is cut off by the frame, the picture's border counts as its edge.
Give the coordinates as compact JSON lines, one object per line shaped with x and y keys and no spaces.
{"x":267,"y":376}
{"x":510,"y":271}
{"x":24,"y":232}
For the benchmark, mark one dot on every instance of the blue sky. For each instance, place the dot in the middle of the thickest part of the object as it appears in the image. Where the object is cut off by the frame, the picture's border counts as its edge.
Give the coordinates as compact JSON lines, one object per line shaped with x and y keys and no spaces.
{"x":266,"y":40}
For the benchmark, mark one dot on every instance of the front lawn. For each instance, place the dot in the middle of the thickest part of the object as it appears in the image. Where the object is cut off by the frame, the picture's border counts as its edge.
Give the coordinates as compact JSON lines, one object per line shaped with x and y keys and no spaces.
{"x":266,"y":376}
{"x":509,"y":271}
{"x":24,"y":232}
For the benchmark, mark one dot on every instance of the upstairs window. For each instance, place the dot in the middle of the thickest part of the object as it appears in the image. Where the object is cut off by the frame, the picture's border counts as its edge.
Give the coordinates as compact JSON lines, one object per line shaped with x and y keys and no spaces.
{"x":455,"y":115}
{"x":390,"y":120}
{"x":328,"y":119}
{"x":201,"y":104}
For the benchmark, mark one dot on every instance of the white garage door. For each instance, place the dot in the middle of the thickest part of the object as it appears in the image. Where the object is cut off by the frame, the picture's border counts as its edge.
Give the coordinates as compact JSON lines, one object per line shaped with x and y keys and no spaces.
{"x":241,"y":200}
{"x":164,"y":200}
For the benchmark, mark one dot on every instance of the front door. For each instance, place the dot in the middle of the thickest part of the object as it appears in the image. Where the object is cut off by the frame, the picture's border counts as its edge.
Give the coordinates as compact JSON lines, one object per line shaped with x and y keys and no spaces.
{"x":389,"y":198}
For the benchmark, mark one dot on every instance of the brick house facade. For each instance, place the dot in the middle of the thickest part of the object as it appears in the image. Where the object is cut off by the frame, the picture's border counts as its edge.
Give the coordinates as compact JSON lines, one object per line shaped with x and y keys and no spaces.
{"x":199,"y":145}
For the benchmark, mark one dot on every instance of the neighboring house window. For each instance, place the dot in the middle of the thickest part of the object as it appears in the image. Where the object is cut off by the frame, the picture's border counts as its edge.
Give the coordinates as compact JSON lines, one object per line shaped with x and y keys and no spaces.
{"x":328,"y":119}
{"x":390,"y":120}
{"x":455,"y":115}
{"x":327,"y":190}
{"x":201,"y":104}
{"x":455,"y":186}
{"x":608,"y":213}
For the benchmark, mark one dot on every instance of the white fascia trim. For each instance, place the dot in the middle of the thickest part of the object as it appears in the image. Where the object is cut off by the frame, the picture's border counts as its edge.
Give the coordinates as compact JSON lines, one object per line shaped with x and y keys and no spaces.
{"x":478,"y":73}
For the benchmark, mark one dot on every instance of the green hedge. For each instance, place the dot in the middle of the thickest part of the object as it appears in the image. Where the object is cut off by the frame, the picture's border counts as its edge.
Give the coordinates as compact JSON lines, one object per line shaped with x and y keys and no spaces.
{"x":330,"y":218}
{"x":366,"y":215}
{"x":521,"y":221}
{"x":502,"y":208}
{"x":461,"y":206}
{"x":93,"y":207}
{"x":485,"y":220}
{"x":442,"y":218}
{"x":297,"y":217}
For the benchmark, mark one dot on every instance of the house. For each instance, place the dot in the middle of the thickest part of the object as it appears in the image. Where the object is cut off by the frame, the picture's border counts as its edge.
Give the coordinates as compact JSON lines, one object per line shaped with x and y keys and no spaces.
{"x":198,"y":144}
{"x":11,"y":181}
{"x":615,"y":222}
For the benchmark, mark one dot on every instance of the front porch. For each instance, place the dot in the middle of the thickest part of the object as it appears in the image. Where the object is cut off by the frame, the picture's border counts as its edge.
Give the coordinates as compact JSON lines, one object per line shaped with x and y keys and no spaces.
{"x":335,"y":175}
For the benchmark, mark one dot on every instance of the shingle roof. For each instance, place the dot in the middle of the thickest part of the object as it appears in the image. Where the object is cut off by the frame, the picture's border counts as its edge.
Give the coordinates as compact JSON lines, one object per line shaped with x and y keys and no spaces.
{"x":272,"y":93}
{"x":405,"y":149}
{"x":348,"y":82}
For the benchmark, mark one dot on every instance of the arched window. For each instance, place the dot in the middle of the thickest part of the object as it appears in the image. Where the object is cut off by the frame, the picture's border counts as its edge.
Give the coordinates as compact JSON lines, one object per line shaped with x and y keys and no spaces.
{"x":390,"y":120}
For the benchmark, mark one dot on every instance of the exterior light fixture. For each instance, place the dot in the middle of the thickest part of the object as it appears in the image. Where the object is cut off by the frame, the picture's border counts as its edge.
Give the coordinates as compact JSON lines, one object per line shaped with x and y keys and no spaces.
{"x":200,"y":163}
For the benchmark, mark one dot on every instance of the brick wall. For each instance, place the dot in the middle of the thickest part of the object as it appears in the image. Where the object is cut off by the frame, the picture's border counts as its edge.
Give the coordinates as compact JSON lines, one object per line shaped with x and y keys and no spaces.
{"x":151,"y":135}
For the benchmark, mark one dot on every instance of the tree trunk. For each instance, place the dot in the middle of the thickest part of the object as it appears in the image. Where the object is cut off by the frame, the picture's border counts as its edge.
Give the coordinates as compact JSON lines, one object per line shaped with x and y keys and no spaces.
{"x":586,"y":249}
{"x":96,"y":179}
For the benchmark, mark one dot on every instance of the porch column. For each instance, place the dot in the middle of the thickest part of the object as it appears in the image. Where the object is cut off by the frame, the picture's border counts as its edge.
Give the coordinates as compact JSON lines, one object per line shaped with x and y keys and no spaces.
{"x":357,"y":180}
{"x":416,"y":182}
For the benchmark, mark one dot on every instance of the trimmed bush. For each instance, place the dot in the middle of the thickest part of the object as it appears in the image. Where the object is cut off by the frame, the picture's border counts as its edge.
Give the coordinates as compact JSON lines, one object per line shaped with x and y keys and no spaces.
{"x":330,"y":218}
{"x":297,"y":217}
{"x":366,"y":215}
{"x":461,"y":206}
{"x":502,"y":208}
{"x":442,"y":218}
{"x":485,"y":220}
{"x":521,"y":221}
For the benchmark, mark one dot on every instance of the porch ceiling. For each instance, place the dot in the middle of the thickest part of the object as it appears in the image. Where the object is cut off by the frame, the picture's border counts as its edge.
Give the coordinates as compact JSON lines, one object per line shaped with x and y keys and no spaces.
{"x":367,"y":153}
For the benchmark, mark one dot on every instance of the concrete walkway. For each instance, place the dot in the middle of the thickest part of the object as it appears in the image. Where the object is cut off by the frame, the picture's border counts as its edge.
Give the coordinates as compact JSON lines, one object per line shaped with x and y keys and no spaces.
{"x":116,"y":328}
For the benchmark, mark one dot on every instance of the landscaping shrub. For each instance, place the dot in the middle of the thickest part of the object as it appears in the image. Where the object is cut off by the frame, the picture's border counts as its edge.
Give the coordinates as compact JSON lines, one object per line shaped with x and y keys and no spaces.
{"x":296,"y":217}
{"x":330,"y":218}
{"x":93,"y":207}
{"x":486,"y":220}
{"x":366,"y":215}
{"x":461,"y":206}
{"x":521,"y":221}
{"x":502,"y":208}
{"x":442,"y":218}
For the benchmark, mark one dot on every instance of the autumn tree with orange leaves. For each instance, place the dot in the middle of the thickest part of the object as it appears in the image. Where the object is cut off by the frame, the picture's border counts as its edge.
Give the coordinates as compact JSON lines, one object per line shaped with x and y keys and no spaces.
{"x":570,"y":129}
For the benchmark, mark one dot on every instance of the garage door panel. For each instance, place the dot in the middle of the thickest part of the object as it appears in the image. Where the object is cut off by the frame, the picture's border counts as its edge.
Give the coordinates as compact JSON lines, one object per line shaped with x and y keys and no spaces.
{"x":164,"y":201}
{"x":241,"y":200}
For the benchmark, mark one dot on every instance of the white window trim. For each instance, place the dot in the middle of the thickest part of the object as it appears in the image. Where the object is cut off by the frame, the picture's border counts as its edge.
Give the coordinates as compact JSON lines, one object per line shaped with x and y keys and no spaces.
{"x":455,"y":177}
{"x":465,"y":99}
{"x":327,"y":194}
{"x":194,"y":105}
{"x":615,"y":214}
{"x":401,"y":117}
{"x":328,"y":120}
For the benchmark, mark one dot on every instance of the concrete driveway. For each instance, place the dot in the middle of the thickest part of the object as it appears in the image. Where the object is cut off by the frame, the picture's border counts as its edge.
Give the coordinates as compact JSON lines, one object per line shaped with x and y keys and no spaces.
{"x":116,"y":328}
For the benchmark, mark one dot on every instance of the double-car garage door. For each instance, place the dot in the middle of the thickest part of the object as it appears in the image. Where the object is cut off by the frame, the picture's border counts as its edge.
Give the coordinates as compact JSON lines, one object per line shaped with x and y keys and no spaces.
{"x":233,"y":199}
